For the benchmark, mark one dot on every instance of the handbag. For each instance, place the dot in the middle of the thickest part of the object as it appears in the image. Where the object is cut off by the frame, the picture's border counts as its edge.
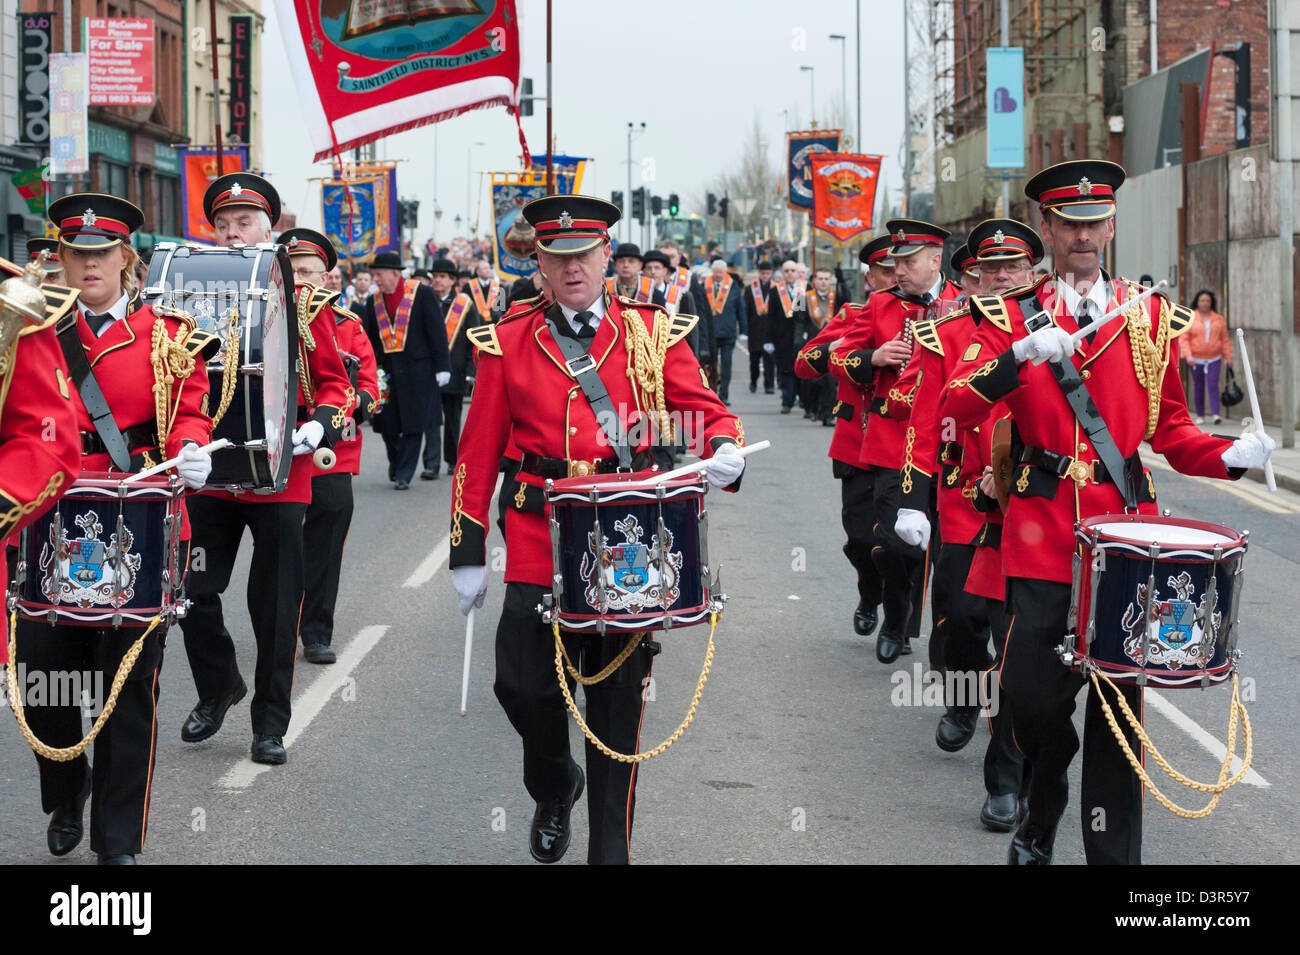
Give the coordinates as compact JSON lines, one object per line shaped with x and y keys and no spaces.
{"x":1231,"y":394}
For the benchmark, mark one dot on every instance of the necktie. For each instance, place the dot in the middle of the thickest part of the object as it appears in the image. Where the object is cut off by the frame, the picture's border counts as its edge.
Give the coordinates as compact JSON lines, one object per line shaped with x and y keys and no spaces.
{"x":586,"y":328}
{"x":1084,"y":317}
{"x":97,"y":322}
{"x":926,"y":299}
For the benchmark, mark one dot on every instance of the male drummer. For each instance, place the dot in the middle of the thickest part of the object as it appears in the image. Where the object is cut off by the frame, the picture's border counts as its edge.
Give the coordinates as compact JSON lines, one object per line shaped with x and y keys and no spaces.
{"x":535,"y":368}
{"x":122,"y":355}
{"x":325,"y":528}
{"x":241,"y":207}
{"x":1079,"y":459}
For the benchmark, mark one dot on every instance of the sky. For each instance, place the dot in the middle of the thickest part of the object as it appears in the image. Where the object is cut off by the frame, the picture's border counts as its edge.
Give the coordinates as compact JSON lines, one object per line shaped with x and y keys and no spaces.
{"x":696,"y":72}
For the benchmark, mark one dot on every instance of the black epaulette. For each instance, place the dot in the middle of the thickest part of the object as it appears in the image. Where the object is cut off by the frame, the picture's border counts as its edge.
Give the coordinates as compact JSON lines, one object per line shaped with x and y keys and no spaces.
{"x":926,"y":332}
{"x":679,"y":326}
{"x":484,"y":338}
{"x":342,"y":315}
{"x":166,"y":311}
{"x":1180,"y":319}
{"x":317,"y":299}
{"x":993,"y":308}
{"x":202,"y":344}
{"x":59,"y":301}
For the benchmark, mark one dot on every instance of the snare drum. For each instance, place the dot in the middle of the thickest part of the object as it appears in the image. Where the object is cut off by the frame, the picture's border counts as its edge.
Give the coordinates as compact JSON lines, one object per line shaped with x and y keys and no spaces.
{"x":1155,"y":600}
{"x":255,"y":283}
{"x":629,"y":554}
{"x":107,"y":554}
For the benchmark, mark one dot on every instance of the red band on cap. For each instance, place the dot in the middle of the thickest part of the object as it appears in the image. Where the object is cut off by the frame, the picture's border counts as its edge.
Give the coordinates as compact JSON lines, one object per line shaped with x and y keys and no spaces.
{"x":921,"y":238}
{"x":104,"y":223}
{"x":1008,"y":242}
{"x":247,"y":197}
{"x":878,"y":255}
{"x":1097,"y":192}
{"x":573,"y":225}
{"x":304,"y":247}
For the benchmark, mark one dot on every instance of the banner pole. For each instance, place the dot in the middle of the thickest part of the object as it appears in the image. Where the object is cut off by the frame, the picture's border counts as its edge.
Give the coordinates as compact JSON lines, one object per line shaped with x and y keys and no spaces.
{"x":216,"y":85}
{"x":550,"y":147}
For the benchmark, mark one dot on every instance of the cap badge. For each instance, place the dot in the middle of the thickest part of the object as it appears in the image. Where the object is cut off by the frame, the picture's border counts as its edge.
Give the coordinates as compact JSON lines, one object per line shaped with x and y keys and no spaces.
{"x":1085,"y":187}
{"x":900,"y":236}
{"x":566,"y":220}
{"x":999,"y":237}
{"x":236,"y":190}
{"x":293,"y":242}
{"x":88,"y":217}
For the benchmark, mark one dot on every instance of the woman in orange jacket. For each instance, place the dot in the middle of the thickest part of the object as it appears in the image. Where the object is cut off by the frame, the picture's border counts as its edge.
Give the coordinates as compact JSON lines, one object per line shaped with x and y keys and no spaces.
{"x":1206,"y":347}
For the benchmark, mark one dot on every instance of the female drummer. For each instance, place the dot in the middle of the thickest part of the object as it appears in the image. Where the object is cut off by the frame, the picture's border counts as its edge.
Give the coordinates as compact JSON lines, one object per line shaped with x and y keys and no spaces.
{"x":148,"y":365}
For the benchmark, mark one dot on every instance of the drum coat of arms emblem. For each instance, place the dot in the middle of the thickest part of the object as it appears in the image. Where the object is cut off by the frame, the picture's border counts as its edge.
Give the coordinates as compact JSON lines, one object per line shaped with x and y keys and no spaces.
{"x":631,"y":575}
{"x":1180,"y":632}
{"x":88,"y":571}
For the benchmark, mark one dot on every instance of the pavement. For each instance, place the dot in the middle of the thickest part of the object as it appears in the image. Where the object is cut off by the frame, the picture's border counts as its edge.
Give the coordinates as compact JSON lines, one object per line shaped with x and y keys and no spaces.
{"x":1285,"y":461}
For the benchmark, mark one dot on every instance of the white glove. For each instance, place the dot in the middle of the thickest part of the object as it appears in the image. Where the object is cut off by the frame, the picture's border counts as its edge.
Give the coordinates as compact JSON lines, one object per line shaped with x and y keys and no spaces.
{"x":913,"y":527}
{"x":194,"y":466}
{"x":741,"y":339}
{"x":471,"y":585}
{"x":725,"y":465}
{"x":308,"y":438}
{"x":1251,"y":450}
{"x":769,"y":347}
{"x":443,"y":378}
{"x":1051,"y":343}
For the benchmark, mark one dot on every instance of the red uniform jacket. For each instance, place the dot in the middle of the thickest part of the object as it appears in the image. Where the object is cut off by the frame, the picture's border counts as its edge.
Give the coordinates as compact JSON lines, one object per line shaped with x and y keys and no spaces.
{"x":121,"y":360}
{"x":883,"y":319}
{"x":524,"y":391}
{"x":1038,"y":529}
{"x":40,"y":452}
{"x":813,"y":361}
{"x":932,"y":449}
{"x":331,"y":395}
{"x":352,"y":338}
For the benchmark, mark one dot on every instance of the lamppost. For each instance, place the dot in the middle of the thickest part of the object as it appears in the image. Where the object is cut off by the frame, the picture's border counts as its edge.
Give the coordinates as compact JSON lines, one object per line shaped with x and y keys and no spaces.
{"x":627,"y":199}
{"x":844,"y":81}
{"x":469,"y":163}
{"x":812,"y":95}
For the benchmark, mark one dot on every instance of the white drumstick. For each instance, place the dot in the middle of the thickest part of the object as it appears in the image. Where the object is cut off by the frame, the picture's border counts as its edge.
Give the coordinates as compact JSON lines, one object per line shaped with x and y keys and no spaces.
{"x":697,"y":467}
{"x":469,"y":647}
{"x":172,"y":462}
{"x":1118,"y":310}
{"x":1254,"y":403}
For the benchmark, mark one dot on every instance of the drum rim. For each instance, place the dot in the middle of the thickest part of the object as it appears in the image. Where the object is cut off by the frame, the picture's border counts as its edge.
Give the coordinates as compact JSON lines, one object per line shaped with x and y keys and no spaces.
{"x":1089,"y":527}
{"x":623,"y":480}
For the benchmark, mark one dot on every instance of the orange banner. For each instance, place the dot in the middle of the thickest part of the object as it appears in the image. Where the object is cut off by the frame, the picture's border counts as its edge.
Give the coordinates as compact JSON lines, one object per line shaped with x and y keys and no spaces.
{"x":844,"y":193}
{"x":198,"y":170}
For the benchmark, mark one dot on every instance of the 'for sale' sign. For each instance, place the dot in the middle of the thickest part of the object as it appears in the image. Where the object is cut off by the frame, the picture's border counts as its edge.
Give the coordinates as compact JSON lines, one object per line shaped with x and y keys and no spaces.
{"x":121,"y":62}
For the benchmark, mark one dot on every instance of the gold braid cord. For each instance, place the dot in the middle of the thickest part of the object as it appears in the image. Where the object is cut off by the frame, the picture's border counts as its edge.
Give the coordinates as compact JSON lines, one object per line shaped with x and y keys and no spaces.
{"x":18,"y":511}
{"x":1236,"y":710}
{"x":306,"y":343}
{"x":906,"y":485}
{"x":229,"y":373}
{"x":457,"y":495}
{"x":172,"y":364}
{"x":646,"y":353}
{"x":63,"y":754}
{"x":676,"y":734}
{"x":617,"y":662}
{"x":1149,"y":360}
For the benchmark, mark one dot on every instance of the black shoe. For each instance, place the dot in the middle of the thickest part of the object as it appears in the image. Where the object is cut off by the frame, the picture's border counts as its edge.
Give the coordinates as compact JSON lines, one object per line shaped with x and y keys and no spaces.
{"x":124,"y":858}
{"x":907,"y":647}
{"x":206,"y":718}
{"x":828,"y":422}
{"x":864,"y":621}
{"x":769,"y":391}
{"x":753,"y":387}
{"x":402,"y":485}
{"x":1023,"y":809}
{"x":269,"y":750}
{"x":956,"y":727}
{"x":809,"y":416}
{"x":549,"y":839}
{"x":1032,"y":844}
{"x":427,"y":475}
{"x":888,"y":646}
{"x":392,"y":474}
{"x":1000,"y":813}
{"x":784,"y":410}
{"x":318,"y":653}
{"x":64,"y":833}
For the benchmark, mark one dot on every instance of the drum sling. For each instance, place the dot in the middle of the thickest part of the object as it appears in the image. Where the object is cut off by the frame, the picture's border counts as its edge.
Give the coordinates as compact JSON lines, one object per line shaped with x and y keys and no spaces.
{"x":101,"y":415}
{"x":583,"y":369}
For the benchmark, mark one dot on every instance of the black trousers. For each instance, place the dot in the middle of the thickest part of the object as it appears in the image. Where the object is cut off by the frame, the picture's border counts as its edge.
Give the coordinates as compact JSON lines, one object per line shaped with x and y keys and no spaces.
{"x":275,"y":589}
{"x":902,"y":567}
{"x":449,"y":411}
{"x":1005,"y":768}
{"x":757,"y":358}
{"x":961,"y":623}
{"x":1042,"y":692}
{"x":724,"y":348}
{"x":789,"y":386}
{"x":403,"y":455}
{"x":62,"y":658}
{"x":324,"y":534}
{"x":858,"y":517}
{"x":823,"y":390}
{"x":529,"y":692}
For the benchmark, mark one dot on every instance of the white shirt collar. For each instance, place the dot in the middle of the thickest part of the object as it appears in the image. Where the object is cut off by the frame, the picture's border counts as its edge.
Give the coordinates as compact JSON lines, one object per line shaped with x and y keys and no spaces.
{"x":597,"y":308}
{"x":1099,"y":294}
{"x":937,"y":289}
{"x":117,"y":310}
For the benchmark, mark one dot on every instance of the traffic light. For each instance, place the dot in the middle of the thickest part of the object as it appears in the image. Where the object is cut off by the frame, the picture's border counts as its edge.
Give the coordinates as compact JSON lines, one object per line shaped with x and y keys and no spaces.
{"x":408,"y":213}
{"x":723,"y":203}
{"x":638,"y":204}
{"x":656,"y":205}
{"x":616,"y":197}
{"x":713,"y":204}
{"x":673,"y":205}
{"x":526,"y":97}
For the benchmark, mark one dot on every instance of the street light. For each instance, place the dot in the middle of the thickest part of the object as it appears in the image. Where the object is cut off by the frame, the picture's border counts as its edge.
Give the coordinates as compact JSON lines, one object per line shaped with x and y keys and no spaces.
{"x":469,"y":163}
{"x":812,"y":94}
{"x":844,"y":82}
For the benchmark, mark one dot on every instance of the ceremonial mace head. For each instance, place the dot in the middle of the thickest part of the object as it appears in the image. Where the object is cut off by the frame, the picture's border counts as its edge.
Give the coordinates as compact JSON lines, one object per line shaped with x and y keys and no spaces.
{"x":22,"y":303}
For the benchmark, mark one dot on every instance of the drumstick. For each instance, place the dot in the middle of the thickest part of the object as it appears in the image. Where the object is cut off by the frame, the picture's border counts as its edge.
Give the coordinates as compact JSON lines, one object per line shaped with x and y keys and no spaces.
{"x":464,"y":675}
{"x":698,"y":466}
{"x":171,"y":463}
{"x":1254,"y":404}
{"x":1118,"y":310}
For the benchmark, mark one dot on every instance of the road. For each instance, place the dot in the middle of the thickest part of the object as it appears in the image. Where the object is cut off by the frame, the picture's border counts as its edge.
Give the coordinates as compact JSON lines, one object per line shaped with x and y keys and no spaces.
{"x":798,"y":753}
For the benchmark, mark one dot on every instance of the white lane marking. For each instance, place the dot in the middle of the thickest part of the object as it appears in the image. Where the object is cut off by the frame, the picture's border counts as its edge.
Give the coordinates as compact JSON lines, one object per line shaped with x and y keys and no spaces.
{"x":1193,"y":729}
{"x":308,"y":705}
{"x":433,"y":563}
{"x":1261,"y":499}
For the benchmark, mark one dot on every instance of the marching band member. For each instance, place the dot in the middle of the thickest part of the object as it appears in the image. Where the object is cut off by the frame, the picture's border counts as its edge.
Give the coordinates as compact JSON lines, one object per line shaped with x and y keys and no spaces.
{"x":964,"y":264}
{"x":1063,"y":475}
{"x":325,"y":527}
{"x":406,"y":331}
{"x":850,"y":412}
{"x":757,"y":300}
{"x":460,"y":314}
{"x":875,"y":352}
{"x":241,"y":208}
{"x":527,"y":388}
{"x":147,"y":365}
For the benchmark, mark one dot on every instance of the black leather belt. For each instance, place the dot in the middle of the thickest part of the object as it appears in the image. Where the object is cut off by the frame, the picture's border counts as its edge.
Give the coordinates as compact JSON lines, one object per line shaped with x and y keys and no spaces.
{"x":137,"y":436}
{"x":557,"y":468}
{"x":1062,"y":465}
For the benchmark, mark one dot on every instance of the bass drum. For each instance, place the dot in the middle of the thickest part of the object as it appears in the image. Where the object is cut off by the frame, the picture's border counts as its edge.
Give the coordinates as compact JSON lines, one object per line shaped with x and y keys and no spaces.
{"x":245,"y":296}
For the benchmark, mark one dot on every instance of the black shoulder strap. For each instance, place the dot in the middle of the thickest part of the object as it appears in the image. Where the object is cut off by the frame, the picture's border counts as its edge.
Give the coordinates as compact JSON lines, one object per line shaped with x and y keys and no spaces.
{"x":583,"y":368}
{"x":1085,"y":410}
{"x":91,"y":394}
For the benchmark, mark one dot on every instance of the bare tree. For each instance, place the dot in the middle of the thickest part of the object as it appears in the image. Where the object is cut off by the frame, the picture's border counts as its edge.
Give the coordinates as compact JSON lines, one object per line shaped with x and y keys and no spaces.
{"x":752,"y":176}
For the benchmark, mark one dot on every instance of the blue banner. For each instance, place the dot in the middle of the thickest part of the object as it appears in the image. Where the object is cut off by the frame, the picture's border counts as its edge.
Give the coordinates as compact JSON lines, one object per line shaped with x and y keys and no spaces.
{"x":800,"y":147}
{"x":1006,"y":107}
{"x":511,"y":232}
{"x":360,"y":215}
{"x":566,"y":169}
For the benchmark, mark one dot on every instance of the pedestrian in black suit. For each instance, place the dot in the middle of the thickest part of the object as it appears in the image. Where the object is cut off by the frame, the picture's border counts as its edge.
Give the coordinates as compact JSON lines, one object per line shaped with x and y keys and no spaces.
{"x":723,"y":296}
{"x":756,"y":308}
{"x":787,"y":311}
{"x":459,"y":315}
{"x":404,"y":322}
